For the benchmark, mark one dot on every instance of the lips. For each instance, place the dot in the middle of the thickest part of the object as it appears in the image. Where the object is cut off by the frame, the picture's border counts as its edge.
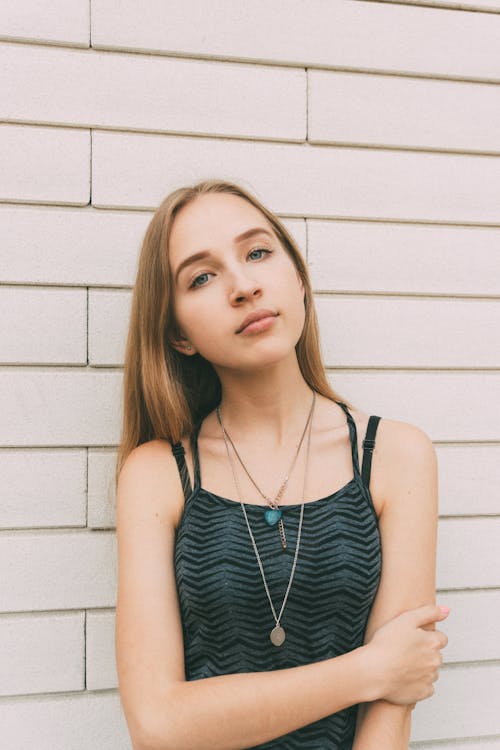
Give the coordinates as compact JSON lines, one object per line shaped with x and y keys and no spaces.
{"x":257,"y":315}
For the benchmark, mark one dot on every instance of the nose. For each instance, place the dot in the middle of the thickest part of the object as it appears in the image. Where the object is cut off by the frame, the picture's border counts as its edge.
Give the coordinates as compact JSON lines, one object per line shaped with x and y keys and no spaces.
{"x":243,"y":286}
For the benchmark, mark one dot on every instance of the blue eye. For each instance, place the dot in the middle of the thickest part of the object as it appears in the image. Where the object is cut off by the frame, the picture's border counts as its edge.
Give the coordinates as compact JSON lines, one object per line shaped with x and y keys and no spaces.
{"x":260,"y":250}
{"x":195,"y":285}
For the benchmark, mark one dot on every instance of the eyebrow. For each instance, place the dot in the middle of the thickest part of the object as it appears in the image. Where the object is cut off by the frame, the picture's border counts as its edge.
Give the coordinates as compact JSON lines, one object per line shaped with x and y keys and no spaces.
{"x":202,"y":254}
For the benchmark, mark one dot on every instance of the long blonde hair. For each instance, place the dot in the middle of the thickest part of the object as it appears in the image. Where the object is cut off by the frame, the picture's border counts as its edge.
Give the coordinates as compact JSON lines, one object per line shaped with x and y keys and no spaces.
{"x":165,"y":392}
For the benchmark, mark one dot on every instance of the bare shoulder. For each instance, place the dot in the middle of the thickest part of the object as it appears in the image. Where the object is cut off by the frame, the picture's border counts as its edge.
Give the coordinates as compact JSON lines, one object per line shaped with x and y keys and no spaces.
{"x":149,"y":482}
{"x":405,"y":446}
{"x":404,"y":457}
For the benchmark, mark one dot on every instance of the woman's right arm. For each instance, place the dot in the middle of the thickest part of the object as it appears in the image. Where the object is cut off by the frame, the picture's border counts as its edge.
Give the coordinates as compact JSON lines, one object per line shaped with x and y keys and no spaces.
{"x":241,"y":710}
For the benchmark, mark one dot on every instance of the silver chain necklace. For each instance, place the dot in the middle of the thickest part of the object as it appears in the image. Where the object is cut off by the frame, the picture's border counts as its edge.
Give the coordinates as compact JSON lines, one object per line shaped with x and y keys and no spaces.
{"x":273,"y":514}
{"x":277,"y":634}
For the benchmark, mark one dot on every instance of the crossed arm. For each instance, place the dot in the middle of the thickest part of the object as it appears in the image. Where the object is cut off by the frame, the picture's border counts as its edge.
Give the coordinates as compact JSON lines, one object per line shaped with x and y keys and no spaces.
{"x":405,"y":462}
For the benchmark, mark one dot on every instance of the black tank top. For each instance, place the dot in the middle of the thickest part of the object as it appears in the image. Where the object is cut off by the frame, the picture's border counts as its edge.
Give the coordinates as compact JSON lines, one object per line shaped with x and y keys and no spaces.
{"x":226,"y":616}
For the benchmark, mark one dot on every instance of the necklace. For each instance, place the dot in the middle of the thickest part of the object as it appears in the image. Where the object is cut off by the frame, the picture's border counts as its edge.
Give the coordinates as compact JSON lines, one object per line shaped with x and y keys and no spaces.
{"x":277,"y":634}
{"x":273,"y":514}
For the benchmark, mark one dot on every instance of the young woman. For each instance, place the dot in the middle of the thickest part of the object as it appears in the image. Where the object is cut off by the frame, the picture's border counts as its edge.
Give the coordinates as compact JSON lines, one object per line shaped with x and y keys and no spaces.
{"x":274,"y":591}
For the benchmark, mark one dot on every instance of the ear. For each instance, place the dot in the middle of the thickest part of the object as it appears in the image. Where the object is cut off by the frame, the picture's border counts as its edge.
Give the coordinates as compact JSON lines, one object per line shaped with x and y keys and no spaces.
{"x":182,"y":345}
{"x":186,"y":348}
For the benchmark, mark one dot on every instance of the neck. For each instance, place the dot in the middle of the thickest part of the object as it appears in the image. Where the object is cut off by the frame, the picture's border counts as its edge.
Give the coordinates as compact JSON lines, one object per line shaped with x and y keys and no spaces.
{"x":274,"y":402}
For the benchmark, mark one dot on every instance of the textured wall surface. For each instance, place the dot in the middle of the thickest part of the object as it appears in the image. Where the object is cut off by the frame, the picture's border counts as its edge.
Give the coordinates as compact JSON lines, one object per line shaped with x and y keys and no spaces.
{"x":373,"y":130}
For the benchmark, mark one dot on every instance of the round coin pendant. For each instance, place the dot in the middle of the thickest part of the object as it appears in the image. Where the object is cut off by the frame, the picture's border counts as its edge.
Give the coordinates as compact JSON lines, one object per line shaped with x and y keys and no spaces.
{"x":277,"y":635}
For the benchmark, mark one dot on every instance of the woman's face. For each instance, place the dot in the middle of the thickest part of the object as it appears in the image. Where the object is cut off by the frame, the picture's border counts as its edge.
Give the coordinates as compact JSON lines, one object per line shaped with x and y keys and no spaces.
{"x":215,"y":292}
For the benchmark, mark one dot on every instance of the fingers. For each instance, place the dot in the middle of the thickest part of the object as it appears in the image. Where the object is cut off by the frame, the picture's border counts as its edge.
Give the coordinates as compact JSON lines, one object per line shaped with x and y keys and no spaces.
{"x":440,"y":639}
{"x":444,"y":640}
{"x":428,"y":613}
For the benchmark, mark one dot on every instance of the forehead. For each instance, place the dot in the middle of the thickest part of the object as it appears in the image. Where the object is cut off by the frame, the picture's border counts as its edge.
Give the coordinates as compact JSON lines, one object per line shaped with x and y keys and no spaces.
{"x":212,"y":221}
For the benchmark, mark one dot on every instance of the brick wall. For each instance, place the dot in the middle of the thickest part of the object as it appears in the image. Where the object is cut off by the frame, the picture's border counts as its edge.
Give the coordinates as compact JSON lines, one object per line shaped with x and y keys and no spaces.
{"x":373,"y":130}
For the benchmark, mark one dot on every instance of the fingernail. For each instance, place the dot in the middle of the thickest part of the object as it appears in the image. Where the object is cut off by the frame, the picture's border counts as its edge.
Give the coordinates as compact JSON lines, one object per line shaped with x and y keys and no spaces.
{"x":444,"y":609}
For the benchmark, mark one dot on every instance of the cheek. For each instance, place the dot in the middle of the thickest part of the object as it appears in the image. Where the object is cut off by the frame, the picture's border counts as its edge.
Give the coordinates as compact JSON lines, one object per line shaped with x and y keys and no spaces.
{"x":300,"y":310}
{"x":291,"y":301}
{"x":292,"y":287}
{"x":184,"y":315}
{"x":197,"y":314}
{"x":298,"y":297}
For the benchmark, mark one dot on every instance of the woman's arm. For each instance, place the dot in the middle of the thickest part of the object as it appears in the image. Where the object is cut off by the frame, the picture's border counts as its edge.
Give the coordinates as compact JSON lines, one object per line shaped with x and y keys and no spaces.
{"x":405,"y":470}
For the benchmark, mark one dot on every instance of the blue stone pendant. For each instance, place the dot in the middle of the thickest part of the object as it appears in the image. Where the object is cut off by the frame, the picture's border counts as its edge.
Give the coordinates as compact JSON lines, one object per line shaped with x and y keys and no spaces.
{"x":272,"y":516}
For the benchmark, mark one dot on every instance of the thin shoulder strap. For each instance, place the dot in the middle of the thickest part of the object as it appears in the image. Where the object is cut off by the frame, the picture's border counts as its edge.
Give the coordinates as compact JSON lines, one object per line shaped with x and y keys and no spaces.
{"x":180,"y":457}
{"x":195,"y":453}
{"x":368,"y":446}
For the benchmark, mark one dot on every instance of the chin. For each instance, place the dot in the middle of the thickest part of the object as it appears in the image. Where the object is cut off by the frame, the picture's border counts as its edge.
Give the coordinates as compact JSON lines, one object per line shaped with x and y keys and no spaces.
{"x":269,"y":354}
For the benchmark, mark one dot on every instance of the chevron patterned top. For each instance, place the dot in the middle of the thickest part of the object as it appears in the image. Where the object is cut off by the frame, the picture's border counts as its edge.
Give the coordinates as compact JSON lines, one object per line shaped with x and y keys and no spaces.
{"x":225,"y":611}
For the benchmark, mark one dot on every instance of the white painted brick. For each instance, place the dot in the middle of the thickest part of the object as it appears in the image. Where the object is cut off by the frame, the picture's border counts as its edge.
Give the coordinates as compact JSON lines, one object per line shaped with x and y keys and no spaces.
{"x":41,"y":653}
{"x":109,"y":313}
{"x":404,"y":112}
{"x":93,"y":399}
{"x":353,"y":35}
{"x":57,"y":570}
{"x":42,"y":487}
{"x":485,"y":5}
{"x":48,"y":165}
{"x":132,"y":170}
{"x":478,"y":743}
{"x":59,"y":21}
{"x":465,"y":704}
{"x":41,"y":571}
{"x":421,"y":259}
{"x":297,"y":228}
{"x":139,"y":92}
{"x":467,"y":553}
{"x":74,"y":406}
{"x":381,"y":326}
{"x":35,"y":332}
{"x":399,"y":332}
{"x":449,"y":406}
{"x":469,"y":478}
{"x":101,"y":661}
{"x":471,"y":626}
{"x":52,"y":245}
{"x":101,"y":488}
{"x":82,"y":721}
